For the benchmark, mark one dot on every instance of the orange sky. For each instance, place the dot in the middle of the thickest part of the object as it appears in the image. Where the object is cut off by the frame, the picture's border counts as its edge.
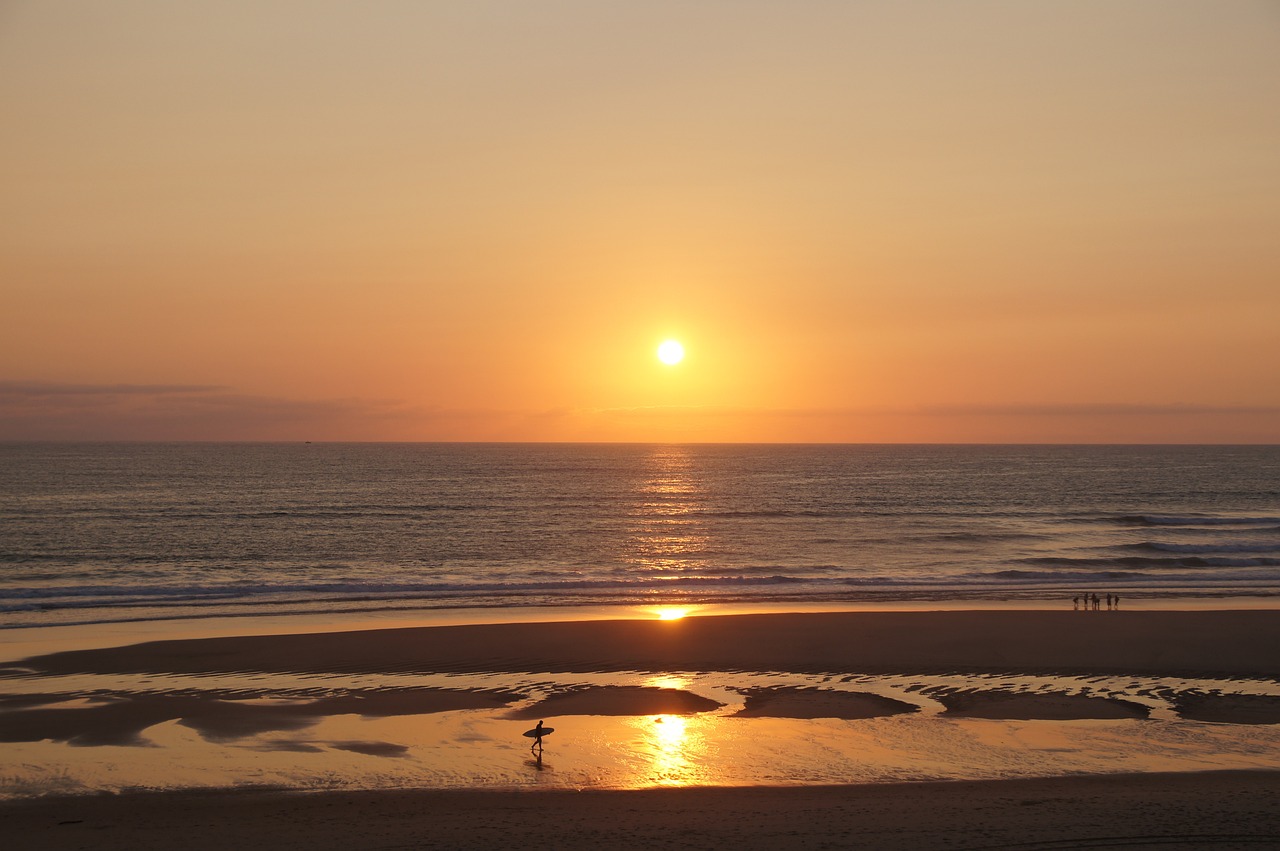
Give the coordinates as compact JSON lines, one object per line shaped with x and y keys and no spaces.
{"x":872,"y":221}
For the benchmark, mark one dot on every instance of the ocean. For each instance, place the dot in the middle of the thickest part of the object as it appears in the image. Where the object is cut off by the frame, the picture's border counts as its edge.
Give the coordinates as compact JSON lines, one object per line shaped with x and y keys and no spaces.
{"x":93,"y":533}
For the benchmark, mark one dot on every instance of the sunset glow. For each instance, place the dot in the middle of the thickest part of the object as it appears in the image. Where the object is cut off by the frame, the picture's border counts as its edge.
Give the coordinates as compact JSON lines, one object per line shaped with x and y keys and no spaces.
{"x":661,"y":424}
{"x":437,"y":223}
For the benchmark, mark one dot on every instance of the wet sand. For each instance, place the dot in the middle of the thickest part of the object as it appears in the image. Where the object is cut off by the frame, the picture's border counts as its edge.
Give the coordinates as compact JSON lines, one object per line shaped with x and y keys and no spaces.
{"x":787,"y":702}
{"x":1175,"y":643}
{"x":1224,"y":644}
{"x":981,"y":703}
{"x":120,"y":717}
{"x":1228,"y":708}
{"x":1222,"y":810}
{"x":550,"y":670}
{"x":617,"y":700}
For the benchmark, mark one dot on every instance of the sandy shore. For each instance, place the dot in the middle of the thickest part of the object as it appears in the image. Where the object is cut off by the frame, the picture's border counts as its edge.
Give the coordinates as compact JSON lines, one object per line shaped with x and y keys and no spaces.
{"x":1176,"y":643}
{"x":756,"y":702}
{"x":1172,"y":644}
{"x":1221,"y":810}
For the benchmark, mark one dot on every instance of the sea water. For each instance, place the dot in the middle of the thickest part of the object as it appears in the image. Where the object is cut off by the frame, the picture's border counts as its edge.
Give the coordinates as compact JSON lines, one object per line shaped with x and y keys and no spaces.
{"x":93,"y":533}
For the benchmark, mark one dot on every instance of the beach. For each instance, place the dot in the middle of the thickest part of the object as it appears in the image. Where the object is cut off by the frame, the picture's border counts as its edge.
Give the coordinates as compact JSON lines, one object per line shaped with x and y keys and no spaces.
{"x":1181,"y":643}
{"x":652,"y":425}
{"x":872,"y":729}
{"x":1187,"y":811}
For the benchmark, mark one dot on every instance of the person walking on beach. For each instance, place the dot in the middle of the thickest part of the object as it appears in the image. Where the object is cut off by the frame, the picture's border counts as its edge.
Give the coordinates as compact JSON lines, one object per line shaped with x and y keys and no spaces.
{"x":1075,"y":603}
{"x":537,"y":736}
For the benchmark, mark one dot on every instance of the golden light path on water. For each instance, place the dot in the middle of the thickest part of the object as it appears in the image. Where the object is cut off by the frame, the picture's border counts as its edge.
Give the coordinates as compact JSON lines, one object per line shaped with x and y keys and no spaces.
{"x":669,"y":539}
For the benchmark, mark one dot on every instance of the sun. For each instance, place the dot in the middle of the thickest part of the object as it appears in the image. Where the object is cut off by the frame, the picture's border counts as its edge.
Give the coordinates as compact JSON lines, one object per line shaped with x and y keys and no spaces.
{"x":671,"y":352}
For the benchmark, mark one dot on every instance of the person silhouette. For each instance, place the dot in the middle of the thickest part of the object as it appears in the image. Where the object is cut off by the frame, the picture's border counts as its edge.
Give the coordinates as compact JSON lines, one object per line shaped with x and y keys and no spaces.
{"x":537,"y":737}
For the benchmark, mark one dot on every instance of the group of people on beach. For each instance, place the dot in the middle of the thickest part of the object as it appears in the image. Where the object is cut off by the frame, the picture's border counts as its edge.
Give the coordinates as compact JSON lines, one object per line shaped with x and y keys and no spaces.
{"x":1089,"y":602}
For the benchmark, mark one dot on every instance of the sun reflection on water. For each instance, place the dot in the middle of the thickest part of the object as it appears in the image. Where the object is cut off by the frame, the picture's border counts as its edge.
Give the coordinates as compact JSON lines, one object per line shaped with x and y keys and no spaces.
{"x":668,"y":536}
{"x":667,"y":681}
{"x":672,"y":750}
{"x":671,"y":613}
{"x":670,"y":731}
{"x":670,"y":735}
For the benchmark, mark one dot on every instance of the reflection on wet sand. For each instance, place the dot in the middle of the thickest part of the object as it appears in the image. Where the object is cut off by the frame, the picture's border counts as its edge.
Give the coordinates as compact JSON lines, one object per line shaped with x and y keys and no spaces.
{"x":672,"y":750}
{"x":813,"y":729}
{"x":616,"y":700}
{"x":671,"y":744}
{"x":752,"y":700}
{"x":671,"y":681}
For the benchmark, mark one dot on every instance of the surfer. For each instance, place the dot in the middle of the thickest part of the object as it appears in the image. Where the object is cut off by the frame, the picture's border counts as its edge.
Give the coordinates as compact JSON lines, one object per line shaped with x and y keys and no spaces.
{"x":538,"y":733}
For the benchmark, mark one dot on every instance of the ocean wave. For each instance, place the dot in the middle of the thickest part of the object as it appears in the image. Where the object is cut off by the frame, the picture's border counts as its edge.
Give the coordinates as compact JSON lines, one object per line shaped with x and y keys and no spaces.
{"x":1155,"y":562}
{"x":1239,"y":581}
{"x":204,"y":602}
{"x":973,"y":537}
{"x":1065,"y":576}
{"x":1207,"y":548}
{"x":196,"y":601}
{"x":23,"y":598}
{"x":1193,"y":520}
{"x":165,"y":513}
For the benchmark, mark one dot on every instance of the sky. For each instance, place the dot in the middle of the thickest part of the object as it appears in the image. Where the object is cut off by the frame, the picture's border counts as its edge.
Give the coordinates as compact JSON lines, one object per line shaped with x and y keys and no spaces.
{"x":866,"y":220}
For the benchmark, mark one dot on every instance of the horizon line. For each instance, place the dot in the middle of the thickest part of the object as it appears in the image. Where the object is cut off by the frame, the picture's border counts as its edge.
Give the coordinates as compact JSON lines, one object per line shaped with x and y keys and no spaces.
{"x":304,"y":442}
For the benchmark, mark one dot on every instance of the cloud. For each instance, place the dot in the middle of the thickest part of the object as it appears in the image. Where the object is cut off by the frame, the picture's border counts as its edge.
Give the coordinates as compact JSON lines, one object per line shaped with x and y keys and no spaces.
{"x":1097,"y":409}
{"x":1095,"y":422}
{"x":38,"y":389}
{"x":1100,"y":409}
{"x":32,"y":410}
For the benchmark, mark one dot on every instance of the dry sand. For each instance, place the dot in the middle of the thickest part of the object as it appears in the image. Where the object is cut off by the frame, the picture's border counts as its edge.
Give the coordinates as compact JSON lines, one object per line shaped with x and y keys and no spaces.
{"x":1220,"y":811}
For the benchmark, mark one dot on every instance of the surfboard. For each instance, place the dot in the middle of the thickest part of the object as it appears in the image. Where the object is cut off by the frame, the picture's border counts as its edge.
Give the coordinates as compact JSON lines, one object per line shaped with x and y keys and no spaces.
{"x":533,"y":734}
